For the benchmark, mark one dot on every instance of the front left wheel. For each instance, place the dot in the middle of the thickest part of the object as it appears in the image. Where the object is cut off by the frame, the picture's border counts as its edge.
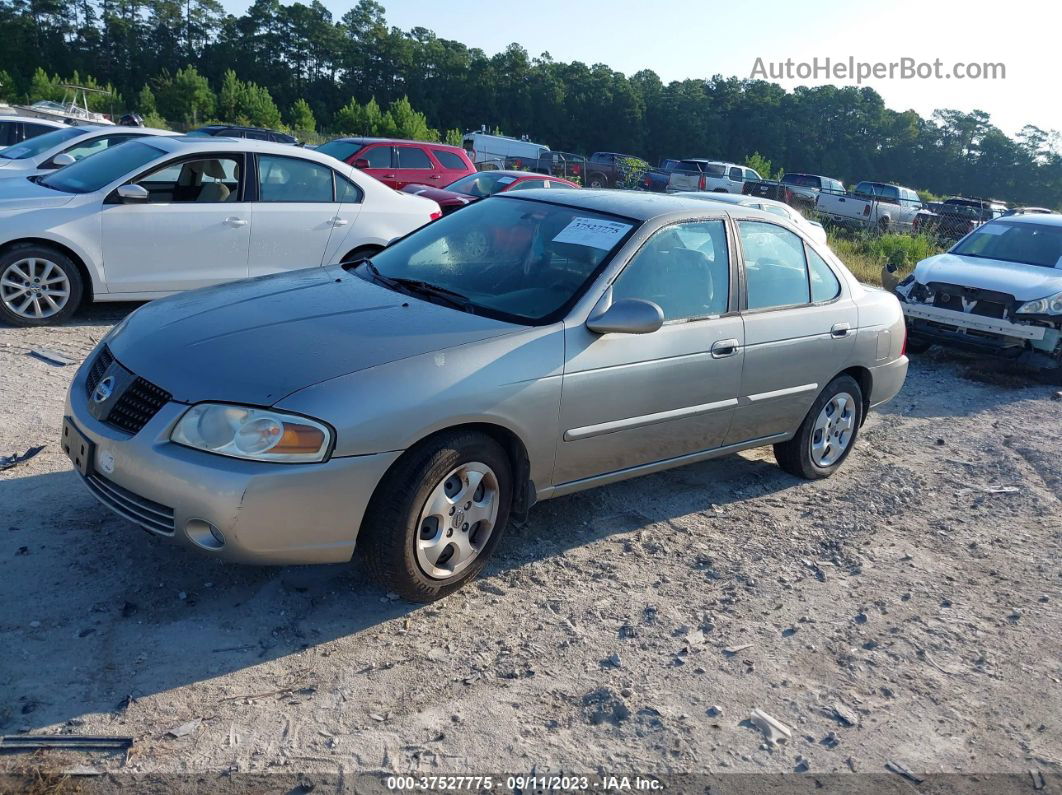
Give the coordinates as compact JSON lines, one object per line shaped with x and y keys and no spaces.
{"x":438,"y":515}
{"x":39,"y":286}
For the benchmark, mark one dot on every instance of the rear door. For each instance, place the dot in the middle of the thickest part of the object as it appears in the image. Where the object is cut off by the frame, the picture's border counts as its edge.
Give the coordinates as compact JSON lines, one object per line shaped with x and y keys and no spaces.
{"x":294,"y":213}
{"x":415,"y":167}
{"x":799,"y":327}
{"x":192,"y":232}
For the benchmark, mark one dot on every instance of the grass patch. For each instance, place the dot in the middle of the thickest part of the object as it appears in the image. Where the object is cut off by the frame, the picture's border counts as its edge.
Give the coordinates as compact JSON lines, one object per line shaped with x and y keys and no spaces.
{"x":866,"y":253}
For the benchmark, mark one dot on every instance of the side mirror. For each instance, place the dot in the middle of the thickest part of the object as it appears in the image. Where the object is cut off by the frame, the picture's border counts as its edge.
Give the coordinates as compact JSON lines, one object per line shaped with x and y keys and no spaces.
{"x":133,"y":194}
{"x":361,"y":163}
{"x":63,"y":159}
{"x":892,"y":267}
{"x":627,"y":316}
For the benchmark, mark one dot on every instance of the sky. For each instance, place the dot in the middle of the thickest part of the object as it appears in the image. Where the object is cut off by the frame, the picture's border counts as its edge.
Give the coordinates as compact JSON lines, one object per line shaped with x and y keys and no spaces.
{"x":681,"y":39}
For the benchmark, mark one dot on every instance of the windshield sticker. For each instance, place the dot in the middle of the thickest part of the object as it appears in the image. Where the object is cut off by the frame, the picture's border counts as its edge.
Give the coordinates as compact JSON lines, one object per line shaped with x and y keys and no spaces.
{"x":988,"y":229}
{"x":592,"y":232}
{"x":506,"y":180}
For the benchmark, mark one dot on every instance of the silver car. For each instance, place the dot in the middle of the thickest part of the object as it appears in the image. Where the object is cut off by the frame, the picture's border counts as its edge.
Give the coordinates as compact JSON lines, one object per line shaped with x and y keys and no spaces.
{"x":532,"y":345}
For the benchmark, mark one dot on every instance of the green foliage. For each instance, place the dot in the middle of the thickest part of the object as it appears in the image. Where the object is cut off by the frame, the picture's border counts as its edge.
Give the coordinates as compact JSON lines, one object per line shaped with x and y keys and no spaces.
{"x":7,"y":87}
{"x":408,"y":123}
{"x":145,"y":102}
{"x":186,"y":96}
{"x":866,"y":253}
{"x":301,"y":118}
{"x":631,"y":171}
{"x":454,"y":137}
{"x":762,"y":166}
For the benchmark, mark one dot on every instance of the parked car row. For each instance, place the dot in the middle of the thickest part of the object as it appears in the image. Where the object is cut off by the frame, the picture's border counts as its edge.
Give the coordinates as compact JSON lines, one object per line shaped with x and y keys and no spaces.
{"x":674,"y":176}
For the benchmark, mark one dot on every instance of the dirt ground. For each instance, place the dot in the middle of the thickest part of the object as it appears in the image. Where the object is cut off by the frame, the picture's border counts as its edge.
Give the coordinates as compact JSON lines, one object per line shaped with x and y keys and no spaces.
{"x":905,"y":611}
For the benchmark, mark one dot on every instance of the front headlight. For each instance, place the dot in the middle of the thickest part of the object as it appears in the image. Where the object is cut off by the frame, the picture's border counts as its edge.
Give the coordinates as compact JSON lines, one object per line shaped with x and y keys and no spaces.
{"x":255,"y":434}
{"x":1052,"y":305}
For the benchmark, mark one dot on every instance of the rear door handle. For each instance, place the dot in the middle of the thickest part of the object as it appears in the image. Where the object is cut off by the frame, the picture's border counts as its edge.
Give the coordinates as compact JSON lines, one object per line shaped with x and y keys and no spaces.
{"x":235,"y":222}
{"x":723,"y":348}
{"x":337,"y":221}
{"x":840,"y":330}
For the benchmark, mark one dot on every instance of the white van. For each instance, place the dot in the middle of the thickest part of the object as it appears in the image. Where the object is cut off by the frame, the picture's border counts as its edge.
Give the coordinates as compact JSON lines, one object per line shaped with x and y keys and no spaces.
{"x":501,"y":151}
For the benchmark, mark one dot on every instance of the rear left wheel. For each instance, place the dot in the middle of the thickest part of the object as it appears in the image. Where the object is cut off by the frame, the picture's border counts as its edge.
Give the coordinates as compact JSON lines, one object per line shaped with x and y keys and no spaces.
{"x":827,"y":434}
{"x":39,"y":286}
{"x":438,"y":515}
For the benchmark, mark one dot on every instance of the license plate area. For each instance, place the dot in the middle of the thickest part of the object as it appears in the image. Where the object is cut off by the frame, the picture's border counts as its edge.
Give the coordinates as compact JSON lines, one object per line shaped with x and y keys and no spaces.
{"x":78,"y":448}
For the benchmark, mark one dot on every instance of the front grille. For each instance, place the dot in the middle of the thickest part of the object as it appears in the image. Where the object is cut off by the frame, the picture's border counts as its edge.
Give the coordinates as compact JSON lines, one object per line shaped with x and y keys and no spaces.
{"x":99,"y":367}
{"x":138,"y":404}
{"x":985,"y":303}
{"x":147,"y":513}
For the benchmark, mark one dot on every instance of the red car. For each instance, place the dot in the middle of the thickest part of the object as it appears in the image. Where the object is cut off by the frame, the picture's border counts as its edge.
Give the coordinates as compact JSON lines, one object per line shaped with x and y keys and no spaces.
{"x":397,"y":163}
{"x":482,"y":184}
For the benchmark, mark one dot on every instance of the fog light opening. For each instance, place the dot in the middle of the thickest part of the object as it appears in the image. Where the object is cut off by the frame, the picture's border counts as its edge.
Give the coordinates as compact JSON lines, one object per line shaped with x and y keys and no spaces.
{"x":204,"y":534}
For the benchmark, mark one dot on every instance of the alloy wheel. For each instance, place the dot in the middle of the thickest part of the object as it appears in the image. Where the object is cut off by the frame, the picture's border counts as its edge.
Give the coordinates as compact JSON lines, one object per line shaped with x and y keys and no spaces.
{"x":833,"y":431}
{"x":34,"y":288}
{"x":457,"y":520}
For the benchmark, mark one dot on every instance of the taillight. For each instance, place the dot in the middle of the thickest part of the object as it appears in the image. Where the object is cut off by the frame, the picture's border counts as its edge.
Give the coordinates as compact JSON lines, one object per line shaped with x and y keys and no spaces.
{"x":702,"y":183}
{"x":903,"y":350}
{"x":866,"y":209}
{"x":435,"y":216}
{"x":788,"y":196}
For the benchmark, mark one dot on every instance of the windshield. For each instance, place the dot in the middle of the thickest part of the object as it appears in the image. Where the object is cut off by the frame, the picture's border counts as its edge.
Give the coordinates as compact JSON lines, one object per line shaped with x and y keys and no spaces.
{"x":341,"y":150}
{"x":516,"y":260}
{"x":102,"y":169}
{"x":482,"y":184}
{"x":1032,"y":244}
{"x":42,"y":143}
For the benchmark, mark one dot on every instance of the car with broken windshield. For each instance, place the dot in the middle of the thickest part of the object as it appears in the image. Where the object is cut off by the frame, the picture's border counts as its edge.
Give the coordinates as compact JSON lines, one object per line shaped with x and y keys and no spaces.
{"x":411,"y":403}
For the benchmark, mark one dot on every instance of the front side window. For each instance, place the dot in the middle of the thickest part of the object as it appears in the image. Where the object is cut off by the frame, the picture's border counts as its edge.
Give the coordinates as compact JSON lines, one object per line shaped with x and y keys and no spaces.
{"x":509,"y":258}
{"x":684,"y":269}
{"x":96,"y":145}
{"x":776,"y":273}
{"x":291,"y":179}
{"x":413,"y":157}
{"x":735,"y":174}
{"x":93,"y":173}
{"x":204,"y":180}
{"x":378,"y":156}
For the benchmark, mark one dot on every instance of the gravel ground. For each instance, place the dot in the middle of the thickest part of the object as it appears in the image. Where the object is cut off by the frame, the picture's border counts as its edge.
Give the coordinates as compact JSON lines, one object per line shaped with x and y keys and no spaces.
{"x":906,"y":610}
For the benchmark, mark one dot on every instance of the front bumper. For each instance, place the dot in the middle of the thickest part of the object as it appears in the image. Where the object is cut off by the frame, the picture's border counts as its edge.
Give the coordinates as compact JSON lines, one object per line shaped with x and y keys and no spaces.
{"x":267,"y":513}
{"x":1026,"y":343}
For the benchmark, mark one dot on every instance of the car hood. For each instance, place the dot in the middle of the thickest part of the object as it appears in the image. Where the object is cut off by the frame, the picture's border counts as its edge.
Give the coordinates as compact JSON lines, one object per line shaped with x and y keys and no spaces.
{"x":439,"y":195}
{"x":22,"y":194}
{"x":259,"y":340}
{"x":1024,"y":282}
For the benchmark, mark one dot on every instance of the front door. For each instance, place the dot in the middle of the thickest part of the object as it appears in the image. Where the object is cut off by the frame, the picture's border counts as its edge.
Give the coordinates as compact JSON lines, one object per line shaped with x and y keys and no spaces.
{"x":635,"y":399}
{"x":294,"y":216}
{"x":192,"y":232}
{"x":379,"y":159}
{"x":799,"y":329}
{"x":415,"y":168}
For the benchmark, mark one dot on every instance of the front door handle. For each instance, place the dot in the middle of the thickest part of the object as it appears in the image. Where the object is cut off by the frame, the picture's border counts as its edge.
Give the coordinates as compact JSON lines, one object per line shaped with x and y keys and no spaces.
{"x":235,"y":222}
{"x":840,"y":330}
{"x":435,"y":176}
{"x":723,"y":348}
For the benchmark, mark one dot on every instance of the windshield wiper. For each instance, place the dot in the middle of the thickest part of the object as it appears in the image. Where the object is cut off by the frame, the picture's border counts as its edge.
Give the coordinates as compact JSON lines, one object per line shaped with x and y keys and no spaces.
{"x":452,"y":297}
{"x":386,"y":281}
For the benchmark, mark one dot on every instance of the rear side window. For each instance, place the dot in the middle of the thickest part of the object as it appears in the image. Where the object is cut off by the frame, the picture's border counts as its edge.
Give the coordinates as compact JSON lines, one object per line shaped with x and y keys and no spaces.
{"x":776,"y":272}
{"x":7,"y":133}
{"x":347,"y":191}
{"x":736,"y":174}
{"x":449,"y":160}
{"x":824,"y":284}
{"x":413,"y":157}
{"x":289,"y":179}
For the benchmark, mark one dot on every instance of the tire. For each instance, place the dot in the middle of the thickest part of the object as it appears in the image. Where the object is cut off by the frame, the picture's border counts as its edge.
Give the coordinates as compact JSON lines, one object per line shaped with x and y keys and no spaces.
{"x":401,"y":535}
{"x":797,"y":456}
{"x":916,"y":345}
{"x":597,"y":181}
{"x":39,"y":286}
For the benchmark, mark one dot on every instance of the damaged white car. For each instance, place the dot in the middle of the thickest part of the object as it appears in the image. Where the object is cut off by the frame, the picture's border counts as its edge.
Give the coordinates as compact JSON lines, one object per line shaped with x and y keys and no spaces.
{"x":998,"y":291}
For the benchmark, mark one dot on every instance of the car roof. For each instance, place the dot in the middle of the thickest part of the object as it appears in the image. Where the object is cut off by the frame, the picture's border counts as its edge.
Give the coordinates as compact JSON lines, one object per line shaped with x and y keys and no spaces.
{"x":190,"y":144}
{"x":515,"y":172}
{"x":636,"y":205}
{"x":1032,"y":219}
{"x":728,"y":198}
{"x":362,"y":139}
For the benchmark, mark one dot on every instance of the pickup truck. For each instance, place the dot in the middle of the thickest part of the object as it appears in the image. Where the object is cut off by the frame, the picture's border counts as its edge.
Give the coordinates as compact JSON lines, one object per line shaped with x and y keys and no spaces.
{"x":797,"y":190}
{"x":957,"y":216}
{"x":710,"y":175}
{"x":872,"y":205}
{"x":600,"y":170}
{"x":656,"y":179}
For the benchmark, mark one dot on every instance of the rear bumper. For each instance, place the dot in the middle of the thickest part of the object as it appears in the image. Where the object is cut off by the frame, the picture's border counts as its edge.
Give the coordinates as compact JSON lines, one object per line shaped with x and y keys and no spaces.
{"x":266,"y":513}
{"x":886,"y":381}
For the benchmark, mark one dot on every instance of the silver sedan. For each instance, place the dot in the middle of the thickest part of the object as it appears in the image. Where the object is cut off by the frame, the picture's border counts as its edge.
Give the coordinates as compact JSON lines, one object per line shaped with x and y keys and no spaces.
{"x":530,"y":346}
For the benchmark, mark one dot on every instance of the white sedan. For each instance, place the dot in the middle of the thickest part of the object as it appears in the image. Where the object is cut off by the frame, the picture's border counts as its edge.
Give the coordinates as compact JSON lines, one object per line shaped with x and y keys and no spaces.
{"x":813,"y":229}
{"x":63,"y":146}
{"x":164,"y":214}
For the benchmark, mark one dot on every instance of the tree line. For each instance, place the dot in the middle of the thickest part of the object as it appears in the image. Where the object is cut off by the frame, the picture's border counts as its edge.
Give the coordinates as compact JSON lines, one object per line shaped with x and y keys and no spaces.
{"x":184,"y":62}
